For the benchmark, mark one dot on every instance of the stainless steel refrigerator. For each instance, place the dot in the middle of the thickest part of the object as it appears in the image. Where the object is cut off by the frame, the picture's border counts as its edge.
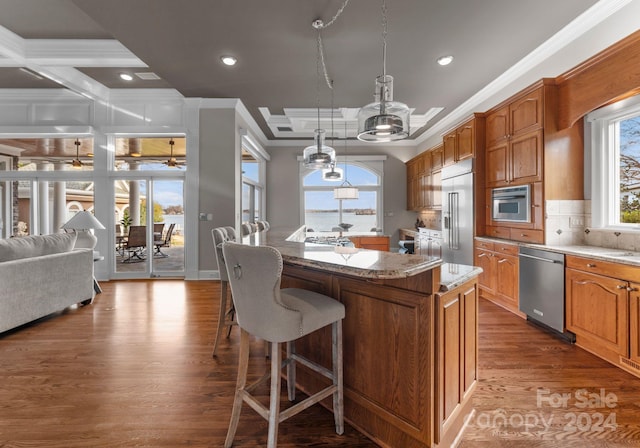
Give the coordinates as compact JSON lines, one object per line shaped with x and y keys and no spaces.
{"x":457,"y":213}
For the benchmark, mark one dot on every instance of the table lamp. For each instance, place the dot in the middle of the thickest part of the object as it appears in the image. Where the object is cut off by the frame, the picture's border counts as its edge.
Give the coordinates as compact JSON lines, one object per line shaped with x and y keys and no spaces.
{"x":82,"y":222}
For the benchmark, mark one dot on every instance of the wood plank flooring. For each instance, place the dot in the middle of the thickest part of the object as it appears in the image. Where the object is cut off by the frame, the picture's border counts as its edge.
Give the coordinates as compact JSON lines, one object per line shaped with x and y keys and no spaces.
{"x":134,"y":369}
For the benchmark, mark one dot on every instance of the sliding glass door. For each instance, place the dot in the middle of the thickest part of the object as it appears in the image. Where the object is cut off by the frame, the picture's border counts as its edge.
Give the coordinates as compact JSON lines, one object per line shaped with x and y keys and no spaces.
{"x":149,"y":231}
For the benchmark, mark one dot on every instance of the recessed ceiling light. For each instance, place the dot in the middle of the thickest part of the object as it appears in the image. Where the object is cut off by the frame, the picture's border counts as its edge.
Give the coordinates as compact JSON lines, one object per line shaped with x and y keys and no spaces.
{"x":228,"y":60}
{"x":445,"y":60}
{"x":126,"y":77}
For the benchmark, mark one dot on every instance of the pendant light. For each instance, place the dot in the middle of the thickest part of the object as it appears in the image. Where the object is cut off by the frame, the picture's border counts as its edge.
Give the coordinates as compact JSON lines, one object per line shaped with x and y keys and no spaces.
{"x":332,"y":174}
{"x":346,"y":190}
{"x":384,"y":120}
{"x":318,"y":155}
{"x":76,"y":163}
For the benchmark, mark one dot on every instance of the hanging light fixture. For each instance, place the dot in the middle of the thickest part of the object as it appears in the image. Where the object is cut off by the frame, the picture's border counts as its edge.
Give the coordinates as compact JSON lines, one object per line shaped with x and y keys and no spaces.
{"x":384,"y":120}
{"x":345,"y":190}
{"x":318,"y":155}
{"x":76,"y":163}
{"x":332,"y":174}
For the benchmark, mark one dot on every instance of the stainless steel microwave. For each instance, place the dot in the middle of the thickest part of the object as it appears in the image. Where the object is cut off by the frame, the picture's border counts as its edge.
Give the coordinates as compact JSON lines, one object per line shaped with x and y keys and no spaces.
{"x":511,"y":204}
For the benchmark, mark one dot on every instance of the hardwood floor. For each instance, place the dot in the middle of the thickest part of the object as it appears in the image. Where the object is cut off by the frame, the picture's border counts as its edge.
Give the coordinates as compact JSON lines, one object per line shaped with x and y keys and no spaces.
{"x":135,"y":369}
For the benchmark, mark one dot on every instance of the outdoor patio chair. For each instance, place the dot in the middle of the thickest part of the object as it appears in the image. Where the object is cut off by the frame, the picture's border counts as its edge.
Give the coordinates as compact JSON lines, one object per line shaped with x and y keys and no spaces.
{"x":136,"y":243}
{"x":163,"y":242}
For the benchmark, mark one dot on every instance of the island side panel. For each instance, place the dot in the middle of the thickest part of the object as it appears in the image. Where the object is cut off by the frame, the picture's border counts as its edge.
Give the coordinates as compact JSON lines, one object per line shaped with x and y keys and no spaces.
{"x":388,"y":353}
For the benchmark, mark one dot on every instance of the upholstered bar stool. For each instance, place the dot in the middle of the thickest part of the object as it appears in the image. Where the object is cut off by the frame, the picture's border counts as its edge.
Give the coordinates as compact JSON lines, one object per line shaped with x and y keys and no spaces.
{"x":279,"y":316}
{"x":227,"y":310}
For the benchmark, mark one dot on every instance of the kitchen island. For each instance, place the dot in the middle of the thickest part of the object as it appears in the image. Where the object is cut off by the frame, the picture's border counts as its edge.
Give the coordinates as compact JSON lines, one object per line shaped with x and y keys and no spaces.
{"x":410,"y":337}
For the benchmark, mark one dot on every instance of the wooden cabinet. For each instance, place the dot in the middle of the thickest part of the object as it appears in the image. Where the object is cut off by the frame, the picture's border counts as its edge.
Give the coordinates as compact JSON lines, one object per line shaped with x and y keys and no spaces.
{"x":406,"y":384}
{"x":499,"y":279}
{"x":371,"y":242}
{"x":514,"y":142}
{"x":463,"y":142}
{"x":634,"y":323}
{"x":423,"y":180}
{"x":602,"y":309}
{"x":456,"y":352}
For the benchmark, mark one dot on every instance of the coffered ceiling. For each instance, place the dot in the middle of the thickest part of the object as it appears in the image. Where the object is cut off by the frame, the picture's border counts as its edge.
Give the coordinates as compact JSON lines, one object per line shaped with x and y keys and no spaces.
{"x":85,"y":44}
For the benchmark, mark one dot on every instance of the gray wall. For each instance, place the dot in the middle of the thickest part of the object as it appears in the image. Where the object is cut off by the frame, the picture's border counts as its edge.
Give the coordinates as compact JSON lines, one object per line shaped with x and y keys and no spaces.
{"x":217,"y":178}
{"x":283,"y":189}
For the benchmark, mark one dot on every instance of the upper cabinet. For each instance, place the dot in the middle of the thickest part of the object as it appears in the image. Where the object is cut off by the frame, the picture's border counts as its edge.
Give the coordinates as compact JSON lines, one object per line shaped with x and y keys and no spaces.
{"x":514,"y":141}
{"x":463,"y":142}
{"x":423,"y":180}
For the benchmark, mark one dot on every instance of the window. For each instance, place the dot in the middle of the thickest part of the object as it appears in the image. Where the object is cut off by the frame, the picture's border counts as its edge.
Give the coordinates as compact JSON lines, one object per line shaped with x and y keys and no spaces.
{"x":323,"y":213}
{"x":252,"y":186}
{"x":615,"y":141}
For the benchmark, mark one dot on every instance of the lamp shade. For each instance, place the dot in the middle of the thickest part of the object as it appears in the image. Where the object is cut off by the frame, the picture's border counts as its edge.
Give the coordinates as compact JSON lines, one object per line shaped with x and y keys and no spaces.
{"x":82,"y":222}
{"x":345,"y":191}
{"x":384,"y":120}
{"x":319,"y":155}
{"x":332,"y":174}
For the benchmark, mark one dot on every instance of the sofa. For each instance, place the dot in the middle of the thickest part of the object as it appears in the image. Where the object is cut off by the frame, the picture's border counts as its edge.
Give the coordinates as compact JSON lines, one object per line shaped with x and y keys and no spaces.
{"x":40,"y":275}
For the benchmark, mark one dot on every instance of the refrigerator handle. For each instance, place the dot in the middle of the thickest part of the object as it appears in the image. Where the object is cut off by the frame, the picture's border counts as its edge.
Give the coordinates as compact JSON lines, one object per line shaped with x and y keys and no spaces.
{"x":455,"y":221}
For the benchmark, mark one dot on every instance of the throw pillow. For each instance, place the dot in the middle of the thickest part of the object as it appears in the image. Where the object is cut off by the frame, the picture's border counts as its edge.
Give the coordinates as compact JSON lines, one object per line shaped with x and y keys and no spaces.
{"x":36,"y":245}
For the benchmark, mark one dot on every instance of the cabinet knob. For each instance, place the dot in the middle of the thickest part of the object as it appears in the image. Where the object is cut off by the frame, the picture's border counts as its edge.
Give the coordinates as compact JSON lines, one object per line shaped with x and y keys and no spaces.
{"x":523,"y":234}
{"x":630,"y":289}
{"x":621,"y":287}
{"x":591,"y":265}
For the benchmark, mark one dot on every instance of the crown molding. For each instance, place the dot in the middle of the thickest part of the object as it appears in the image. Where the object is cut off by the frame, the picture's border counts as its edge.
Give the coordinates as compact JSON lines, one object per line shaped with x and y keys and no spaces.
{"x":582,"y":24}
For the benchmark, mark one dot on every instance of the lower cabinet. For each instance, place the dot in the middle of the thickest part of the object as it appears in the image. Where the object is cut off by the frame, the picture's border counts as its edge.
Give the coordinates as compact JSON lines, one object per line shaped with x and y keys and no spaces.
{"x":602,"y":309}
{"x":456,"y":352}
{"x":499,"y":279}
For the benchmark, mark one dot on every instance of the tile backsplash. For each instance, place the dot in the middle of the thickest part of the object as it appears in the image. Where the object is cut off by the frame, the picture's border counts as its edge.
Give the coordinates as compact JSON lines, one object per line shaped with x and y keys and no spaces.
{"x":566,"y":222}
{"x":569,"y":223}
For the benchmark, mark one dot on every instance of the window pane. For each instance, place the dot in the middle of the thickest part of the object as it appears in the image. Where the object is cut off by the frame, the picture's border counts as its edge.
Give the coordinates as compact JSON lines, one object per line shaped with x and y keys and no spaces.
{"x":322,"y":211}
{"x":630,"y":170}
{"x":147,"y":154}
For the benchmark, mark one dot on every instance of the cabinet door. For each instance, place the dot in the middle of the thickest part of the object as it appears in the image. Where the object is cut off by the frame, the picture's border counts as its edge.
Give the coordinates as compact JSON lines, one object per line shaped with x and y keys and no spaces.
{"x":465,"y":141}
{"x":507,"y":279}
{"x":526,"y":158}
{"x":596,"y":311}
{"x":436,"y":189}
{"x":436,"y":159}
{"x":484,"y":260}
{"x":497,"y":165}
{"x":634,"y":322}
{"x":525,"y":114}
{"x":497,"y":126}
{"x":449,"y":149}
{"x":425,"y":191}
{"x":456,"y":352}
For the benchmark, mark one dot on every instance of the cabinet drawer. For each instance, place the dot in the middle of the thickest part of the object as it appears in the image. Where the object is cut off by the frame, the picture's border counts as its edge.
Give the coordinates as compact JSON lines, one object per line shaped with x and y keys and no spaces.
{"x":509,"y":249}
{"x":486,"y":245}
{"x":528,"y":236}
{"x":606,"y":268}
{"x":499,"y":232}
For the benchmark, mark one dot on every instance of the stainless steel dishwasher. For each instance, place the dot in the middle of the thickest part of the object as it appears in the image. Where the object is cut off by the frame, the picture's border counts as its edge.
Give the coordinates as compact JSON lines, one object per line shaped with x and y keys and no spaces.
{"x":541,"y":289}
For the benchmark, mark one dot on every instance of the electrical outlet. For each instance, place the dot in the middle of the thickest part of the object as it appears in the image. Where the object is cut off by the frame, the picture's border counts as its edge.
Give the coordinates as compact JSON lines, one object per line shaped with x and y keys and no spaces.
{"x":576,"y":221}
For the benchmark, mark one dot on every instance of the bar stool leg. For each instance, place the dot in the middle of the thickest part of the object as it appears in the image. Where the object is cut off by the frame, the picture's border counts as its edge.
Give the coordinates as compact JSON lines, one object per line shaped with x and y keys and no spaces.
{"x":338,"y":395}
{"x":274,"y":401}
{"x":291,"y":371}
{"x":243,"y":366}
{"x":222,"y":314}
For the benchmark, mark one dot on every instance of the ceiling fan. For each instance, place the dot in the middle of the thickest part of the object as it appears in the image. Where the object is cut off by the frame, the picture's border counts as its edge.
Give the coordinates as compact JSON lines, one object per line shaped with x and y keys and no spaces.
{"x":77,"y":163}
{"x":172,"y":162}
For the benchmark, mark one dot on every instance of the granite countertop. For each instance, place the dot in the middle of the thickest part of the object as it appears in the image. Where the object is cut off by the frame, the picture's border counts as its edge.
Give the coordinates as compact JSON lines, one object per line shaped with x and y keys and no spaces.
{"x":622,"y":256}
{"x":453,"y":275}
{"x":363,"y":263}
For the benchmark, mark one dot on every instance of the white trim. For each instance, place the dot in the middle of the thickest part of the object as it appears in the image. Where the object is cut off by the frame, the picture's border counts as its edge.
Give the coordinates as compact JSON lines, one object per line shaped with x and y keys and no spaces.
{"x":353,"y":158}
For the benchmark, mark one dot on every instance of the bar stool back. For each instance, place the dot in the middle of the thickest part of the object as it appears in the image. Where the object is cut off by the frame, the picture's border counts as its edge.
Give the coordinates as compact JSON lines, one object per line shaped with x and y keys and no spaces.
{"x":279,"y":316}
{"x":227,"y":310}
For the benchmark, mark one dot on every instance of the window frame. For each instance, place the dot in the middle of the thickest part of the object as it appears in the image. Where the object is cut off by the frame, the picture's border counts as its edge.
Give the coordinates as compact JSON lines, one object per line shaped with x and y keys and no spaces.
{"x":605,"y":163}
{"x":374,"y":164}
